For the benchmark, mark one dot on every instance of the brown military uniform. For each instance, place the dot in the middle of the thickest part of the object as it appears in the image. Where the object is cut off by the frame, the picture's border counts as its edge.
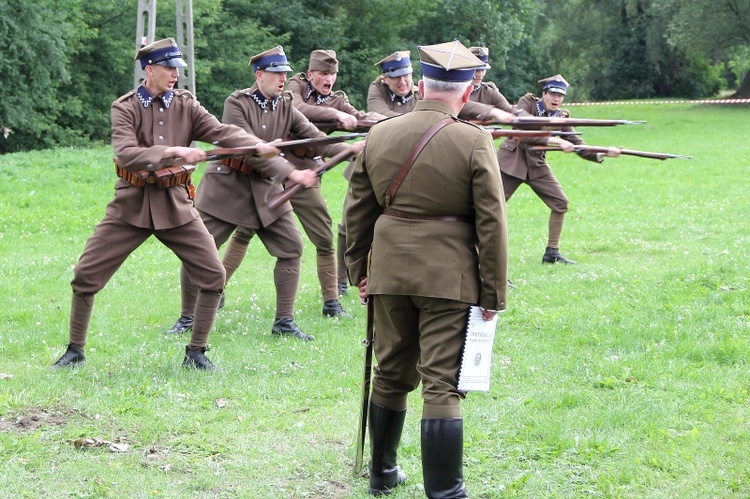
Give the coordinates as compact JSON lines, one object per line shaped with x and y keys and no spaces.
{"x":439,"y":267}
{"x":309,"y":205}
{"x":380,"y":99}
{"x":228,"y":199}
{"x":143,"y":126}
{"x":488,"y":93}
{"x":520,"y":165}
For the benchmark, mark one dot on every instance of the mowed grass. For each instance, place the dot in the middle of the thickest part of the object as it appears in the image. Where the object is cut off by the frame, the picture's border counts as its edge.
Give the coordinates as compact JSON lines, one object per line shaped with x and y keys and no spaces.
{"x":623,"y":376}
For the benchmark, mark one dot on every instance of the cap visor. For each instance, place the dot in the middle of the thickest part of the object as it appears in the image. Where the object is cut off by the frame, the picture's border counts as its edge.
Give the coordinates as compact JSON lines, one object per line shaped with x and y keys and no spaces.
{"x":177,"y":62}
{"x":278,"y":69}
{"x":398,"y":72}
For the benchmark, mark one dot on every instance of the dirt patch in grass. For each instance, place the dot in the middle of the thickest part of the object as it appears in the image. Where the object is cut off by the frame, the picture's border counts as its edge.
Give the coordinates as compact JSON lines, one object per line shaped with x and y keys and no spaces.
{"x":34,"y":418}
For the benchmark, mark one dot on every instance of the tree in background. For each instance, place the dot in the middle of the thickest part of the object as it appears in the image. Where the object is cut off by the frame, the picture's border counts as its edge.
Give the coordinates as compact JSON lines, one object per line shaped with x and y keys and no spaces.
{"x":717,"y":29}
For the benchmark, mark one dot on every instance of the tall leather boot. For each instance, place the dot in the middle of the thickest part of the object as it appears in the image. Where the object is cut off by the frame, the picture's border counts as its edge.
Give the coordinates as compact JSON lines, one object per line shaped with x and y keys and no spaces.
{"x":442,"y":458}
{"x":385,"y":428}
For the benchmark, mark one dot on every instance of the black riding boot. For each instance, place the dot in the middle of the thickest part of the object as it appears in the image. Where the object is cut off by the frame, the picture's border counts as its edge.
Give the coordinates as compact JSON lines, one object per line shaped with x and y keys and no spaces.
{"x":442,"y":458}
{"x":385,"y":434}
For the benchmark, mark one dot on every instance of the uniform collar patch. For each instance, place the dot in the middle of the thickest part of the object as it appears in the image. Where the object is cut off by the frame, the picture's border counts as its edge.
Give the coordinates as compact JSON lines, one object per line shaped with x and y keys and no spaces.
{"x":263,"y":101}
{"x":147,"y":99}
{"x":402,"y":100}
{"x":319,"y":99}
{"x":541,"y":111}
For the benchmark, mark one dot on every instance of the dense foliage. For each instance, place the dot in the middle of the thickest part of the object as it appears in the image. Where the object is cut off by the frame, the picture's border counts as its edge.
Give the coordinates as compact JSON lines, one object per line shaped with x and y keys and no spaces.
{"x":65,"y":61}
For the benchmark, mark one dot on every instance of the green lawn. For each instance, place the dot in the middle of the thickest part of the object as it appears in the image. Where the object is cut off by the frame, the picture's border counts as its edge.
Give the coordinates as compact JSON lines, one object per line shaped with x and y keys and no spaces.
{"x":623,"y":376}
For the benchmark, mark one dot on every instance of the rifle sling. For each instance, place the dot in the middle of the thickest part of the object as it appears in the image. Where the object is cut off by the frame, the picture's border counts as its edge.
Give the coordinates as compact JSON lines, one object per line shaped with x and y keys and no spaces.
{"x":401,"y":174}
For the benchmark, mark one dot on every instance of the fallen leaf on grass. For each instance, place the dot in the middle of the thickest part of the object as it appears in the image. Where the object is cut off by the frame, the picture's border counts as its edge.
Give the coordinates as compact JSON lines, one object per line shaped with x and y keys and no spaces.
{"x":116,"y":446}
{"x":221,"y":403}
{"x":6,"y":376}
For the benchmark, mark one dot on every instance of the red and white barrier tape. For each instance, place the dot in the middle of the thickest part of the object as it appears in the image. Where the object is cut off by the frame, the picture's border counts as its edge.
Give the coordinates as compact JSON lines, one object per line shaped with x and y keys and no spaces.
{"x":621,"y":103}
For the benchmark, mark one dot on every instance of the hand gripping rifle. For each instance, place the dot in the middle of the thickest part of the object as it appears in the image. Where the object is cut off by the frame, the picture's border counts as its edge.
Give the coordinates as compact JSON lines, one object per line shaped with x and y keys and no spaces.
{"x":362,"y":125}
{"x":233,"y":152}
{"x":362,"y":429}
{"x":285,"y":195}
{"x":629,"y":152}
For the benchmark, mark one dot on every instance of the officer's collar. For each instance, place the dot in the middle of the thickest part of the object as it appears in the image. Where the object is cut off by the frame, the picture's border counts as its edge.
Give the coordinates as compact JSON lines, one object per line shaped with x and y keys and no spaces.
{"x":263,"y":101}
{"x":146,"y":98}
{"x":319,"y":99}
{"x":541,"y":111}
{"x":476,"y":88}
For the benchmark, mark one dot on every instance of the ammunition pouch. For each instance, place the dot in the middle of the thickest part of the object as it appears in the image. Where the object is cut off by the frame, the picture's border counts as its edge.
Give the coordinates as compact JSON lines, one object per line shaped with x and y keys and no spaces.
{"x":164,"y":178}
{"x":242,"y":165}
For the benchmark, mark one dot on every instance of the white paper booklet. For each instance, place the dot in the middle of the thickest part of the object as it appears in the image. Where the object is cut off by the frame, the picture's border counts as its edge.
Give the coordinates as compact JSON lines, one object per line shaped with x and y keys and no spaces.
{"x":477,"y":359}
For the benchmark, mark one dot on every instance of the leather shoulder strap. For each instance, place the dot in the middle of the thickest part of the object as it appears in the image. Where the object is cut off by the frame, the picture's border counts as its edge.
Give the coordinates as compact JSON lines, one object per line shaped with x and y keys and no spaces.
{"x":401,"y":174}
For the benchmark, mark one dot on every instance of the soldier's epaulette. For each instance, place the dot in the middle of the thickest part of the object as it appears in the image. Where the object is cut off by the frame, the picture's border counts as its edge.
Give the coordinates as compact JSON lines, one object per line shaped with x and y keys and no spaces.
{"x":186,"y":94}
{"x":287,"y":95}
{"x":379,"y":79}
{"x":531,"y":96}
{"x":491,"y":85}
{"x":475,"y":125}
{"x":244,"y":91}
{"x":127,"y":95}
{"x":564,"y":113}
{"x":302,"y":76}
{"x":340,"y":93}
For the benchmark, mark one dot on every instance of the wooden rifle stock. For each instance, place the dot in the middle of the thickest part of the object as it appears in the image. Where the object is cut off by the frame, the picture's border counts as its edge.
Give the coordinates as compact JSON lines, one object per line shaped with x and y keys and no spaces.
{"x":285,"y":195}
{"x":499,"y":133}
{"x":628,"y":152}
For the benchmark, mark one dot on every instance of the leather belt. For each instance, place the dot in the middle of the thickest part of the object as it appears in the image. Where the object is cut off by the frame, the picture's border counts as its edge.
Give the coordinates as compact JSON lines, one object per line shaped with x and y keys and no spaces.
{"x":392,"y":212}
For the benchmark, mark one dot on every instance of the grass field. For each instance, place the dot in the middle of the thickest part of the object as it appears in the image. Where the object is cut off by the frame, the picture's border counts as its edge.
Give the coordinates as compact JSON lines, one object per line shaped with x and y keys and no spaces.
{"x":623,"y":376}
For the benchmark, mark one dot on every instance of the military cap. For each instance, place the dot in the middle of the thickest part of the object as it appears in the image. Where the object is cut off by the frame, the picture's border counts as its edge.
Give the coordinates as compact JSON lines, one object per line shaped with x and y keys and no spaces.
{"x":483,"y":54}
{"x":163,"y":52}
{"x":555,"y":84}
{"x":397,"y":64}
{"x":323,"y":60}
{"x":273,"y":60}
{"x":449,"y":61}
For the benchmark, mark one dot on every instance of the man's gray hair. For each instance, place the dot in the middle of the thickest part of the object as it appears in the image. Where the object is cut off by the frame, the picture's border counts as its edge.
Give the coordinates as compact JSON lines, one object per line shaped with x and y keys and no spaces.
{"x":448,"y":87}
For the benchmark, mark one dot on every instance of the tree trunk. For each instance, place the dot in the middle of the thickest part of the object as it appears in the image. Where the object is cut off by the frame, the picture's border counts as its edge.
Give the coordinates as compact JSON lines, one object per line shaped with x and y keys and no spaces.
{"x":744,"y":91}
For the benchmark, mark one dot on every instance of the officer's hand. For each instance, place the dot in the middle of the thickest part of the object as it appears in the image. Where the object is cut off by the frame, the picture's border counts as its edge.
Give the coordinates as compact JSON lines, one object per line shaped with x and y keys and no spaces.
{"x":346,"y":120}
{"x":305,"y":178}
{"x":488,"y":315}
{"x":362,"y":286}
{"x":189,"y":155}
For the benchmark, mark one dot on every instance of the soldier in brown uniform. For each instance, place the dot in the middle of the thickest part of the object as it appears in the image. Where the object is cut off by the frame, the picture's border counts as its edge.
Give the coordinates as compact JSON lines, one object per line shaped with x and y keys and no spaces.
{"x":519,"y":165}
{"x":149,"y":126}
{"x":315,"y":98}
{"x":235,"y":194}
{"x":449,"y":209}
{"x":486,"y":92}
{"x":393,"y":93}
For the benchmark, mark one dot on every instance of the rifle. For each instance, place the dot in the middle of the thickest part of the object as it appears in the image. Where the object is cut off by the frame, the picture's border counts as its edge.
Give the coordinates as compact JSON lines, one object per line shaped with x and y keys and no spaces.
{"x":362,"y":125}
{"x":499,"y":132}
{"x":284,"y":196}
{"x":629,"y":152}
{"x":233,"y":152}
{"x":363,"y":409}
{"x":537,"y":122}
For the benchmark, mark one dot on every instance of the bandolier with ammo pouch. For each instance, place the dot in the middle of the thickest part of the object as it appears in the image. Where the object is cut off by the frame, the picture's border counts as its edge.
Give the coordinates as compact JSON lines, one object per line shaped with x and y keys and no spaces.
{"x":165,"y":178}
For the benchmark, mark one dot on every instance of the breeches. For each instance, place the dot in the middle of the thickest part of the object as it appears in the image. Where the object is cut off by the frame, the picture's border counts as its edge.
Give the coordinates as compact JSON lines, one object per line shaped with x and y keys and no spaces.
{"x":546,"y":187}
{"x":418,"y":339}
{"x":282,"y":238}
{"x":312,"y":211}
{"x":113,"y":241}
